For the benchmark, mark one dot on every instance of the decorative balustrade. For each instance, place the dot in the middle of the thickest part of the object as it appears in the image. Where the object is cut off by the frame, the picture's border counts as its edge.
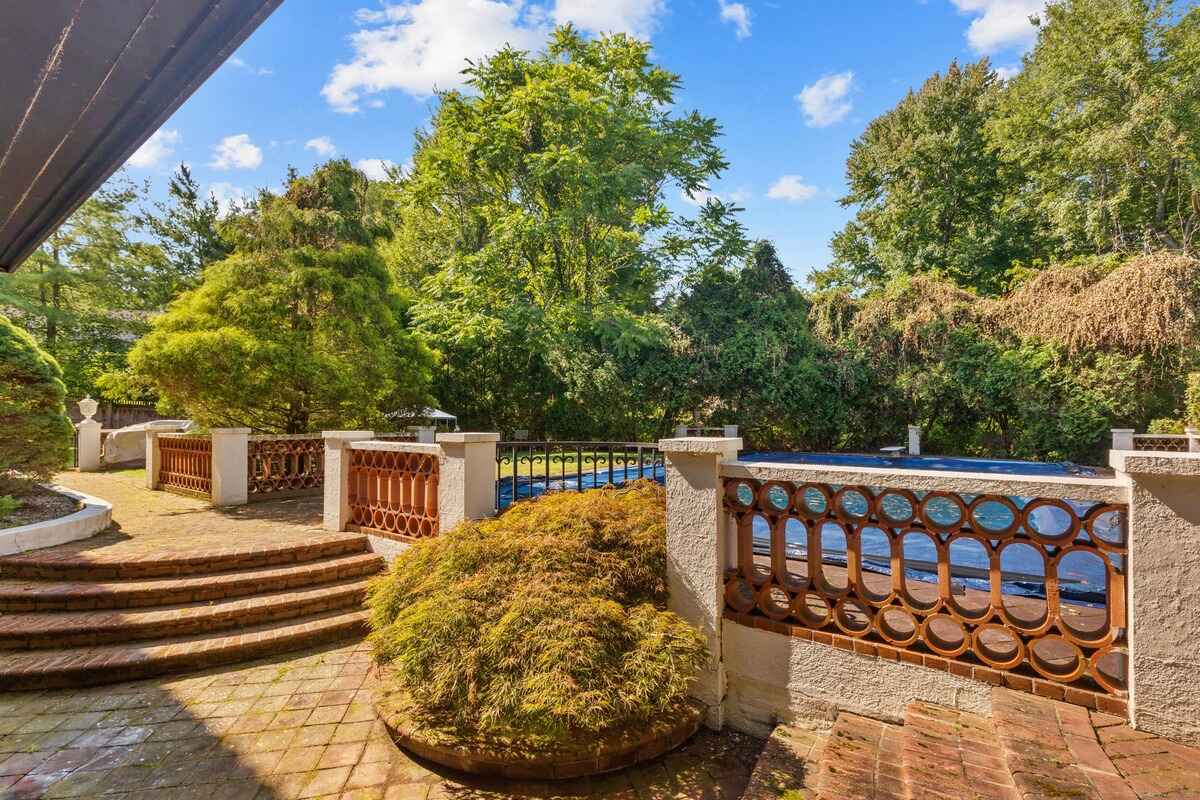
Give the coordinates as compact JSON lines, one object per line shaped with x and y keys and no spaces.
{"x":185,"y":464}
{"x":527,"y":469}
{"x":1013,"y":583}
{"x":285,"y":465}
{"x":1162,"y":442}
{"x":393,"y":492}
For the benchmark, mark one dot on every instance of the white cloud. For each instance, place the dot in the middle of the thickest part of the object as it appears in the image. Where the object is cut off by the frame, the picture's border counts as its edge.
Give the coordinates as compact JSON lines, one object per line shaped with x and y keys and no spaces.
{"x":824,"y":102}
{"x":155,"y":150}
{"x":236,"y":152}
{"x":375,"y":168}
{"x":791,"y":188}
{"x":321,"y":145}
{"x":1006,"y":73}
{"x":419,"y":46}
{"x":701,"y":196}
{"x":999,"y":24}
{"x":228,"y":196}
{"x":636,"y":17}
{"x":738,"y":15}
{"x":240,"y":63}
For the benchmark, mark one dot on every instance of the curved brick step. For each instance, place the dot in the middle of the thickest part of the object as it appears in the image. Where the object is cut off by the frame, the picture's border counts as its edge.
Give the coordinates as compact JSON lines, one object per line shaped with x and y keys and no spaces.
{"x":75,"y":566}
{"x":46,"y":669}
{"x":862,"y":760}
{"x":18,"y":595}
{"x":954,"y":755}
{"x":58,"y":629}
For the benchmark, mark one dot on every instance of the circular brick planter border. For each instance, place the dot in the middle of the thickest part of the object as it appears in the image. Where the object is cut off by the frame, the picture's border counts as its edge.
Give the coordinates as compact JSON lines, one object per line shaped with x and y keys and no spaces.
{"x":610,"y":752}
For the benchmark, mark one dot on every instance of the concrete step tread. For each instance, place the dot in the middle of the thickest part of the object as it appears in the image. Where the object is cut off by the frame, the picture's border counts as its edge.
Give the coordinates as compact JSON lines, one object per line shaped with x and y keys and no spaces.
{"x":58,"y":629}
{"x":26,"y":595}
{"x":114,"y":663}
{"x":56,"y":564}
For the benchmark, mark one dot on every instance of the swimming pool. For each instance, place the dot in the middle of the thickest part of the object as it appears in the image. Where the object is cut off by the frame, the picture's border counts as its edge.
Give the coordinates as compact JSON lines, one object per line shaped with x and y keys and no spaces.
{"x":995,"y":466}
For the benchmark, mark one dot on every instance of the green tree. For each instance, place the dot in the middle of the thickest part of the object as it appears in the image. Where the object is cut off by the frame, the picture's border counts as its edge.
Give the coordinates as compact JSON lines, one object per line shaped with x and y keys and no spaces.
{"x":300,"y":328}
{"x":1104,"y":123}
{"x":37,"y":434}
{"x":932,"y":195}
{"x":85,"y":295}
{"x":751,"y":360}
{"x":534,"y":220}
{"x":187,"y":228}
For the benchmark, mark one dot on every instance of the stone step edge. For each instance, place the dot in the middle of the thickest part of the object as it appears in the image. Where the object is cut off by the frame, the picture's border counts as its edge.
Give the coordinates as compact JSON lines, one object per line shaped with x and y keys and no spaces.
{"x":45,"y":566}
{"x":58,"y":629}
{"x":115,"y":664}
{"x":787,"y":766}
{"x":839,"y":781}
{"x":38,"y":596}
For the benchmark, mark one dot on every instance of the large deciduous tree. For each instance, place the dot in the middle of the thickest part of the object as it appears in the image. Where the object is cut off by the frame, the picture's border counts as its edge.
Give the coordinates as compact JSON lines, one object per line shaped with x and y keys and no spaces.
{"x":534,"y":220}
{"x":1104,"y":122}
{"x":931,"y":192}
{"x":300,"y":328}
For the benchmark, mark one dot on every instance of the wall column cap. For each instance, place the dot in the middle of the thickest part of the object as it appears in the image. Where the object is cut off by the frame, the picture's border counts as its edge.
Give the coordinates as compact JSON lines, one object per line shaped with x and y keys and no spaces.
{"x":336,"y":440}
{"x":1152,"y":462}
{"x":701,"y":445}
{"x":459,"y":437}
{"x":229,"y":431}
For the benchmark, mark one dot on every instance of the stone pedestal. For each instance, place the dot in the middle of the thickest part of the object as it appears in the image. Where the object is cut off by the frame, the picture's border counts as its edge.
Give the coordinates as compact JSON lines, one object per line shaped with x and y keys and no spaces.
{"x":696,"y":550}
{"x":87,"y":443}
{"x":466,"y":477}
{"x":1164,"y":591}
{"x":230,"y":466}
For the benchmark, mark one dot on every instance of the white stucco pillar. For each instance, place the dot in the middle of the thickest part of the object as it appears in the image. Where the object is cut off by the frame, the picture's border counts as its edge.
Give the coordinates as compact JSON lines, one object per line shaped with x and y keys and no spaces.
{"x":230,"y":466}
{"x":426,"y":434}
{"x":696,"y":550}
{"x":87,"y":443}
{"x":1193,"y":439}
{"x":336,"y":512}
{"x":1122,"y":438}
{"x":153,"y":454}
{"x":466,"y":477}
{"x":681,"y":431}
{"x":914,"y":440}
{"x":729,"y":431}
{"x":1164,"y":591}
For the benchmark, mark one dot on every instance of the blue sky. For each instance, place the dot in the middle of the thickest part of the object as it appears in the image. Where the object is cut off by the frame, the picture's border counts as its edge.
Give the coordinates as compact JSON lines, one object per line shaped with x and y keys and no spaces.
{"x":792,"y":82}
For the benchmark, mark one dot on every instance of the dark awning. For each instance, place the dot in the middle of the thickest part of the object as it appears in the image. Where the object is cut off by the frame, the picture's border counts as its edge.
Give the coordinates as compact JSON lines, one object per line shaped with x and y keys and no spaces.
{"x":83,"y":83}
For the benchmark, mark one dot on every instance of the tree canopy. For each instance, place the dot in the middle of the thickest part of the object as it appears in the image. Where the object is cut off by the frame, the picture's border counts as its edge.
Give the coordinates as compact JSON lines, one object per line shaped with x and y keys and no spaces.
{"x":301,"y":327}
{"x":37,"y":434}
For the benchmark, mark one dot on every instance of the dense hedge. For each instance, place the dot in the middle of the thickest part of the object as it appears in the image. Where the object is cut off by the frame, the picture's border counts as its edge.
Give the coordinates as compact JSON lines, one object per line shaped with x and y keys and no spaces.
{"x":542,"y":625}
{"x":37,"y":435}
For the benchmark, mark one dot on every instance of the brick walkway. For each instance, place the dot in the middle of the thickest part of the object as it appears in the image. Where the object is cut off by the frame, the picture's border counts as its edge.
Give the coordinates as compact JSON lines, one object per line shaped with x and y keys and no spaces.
{"x":288,"y":727}
{"x":160,"y":522}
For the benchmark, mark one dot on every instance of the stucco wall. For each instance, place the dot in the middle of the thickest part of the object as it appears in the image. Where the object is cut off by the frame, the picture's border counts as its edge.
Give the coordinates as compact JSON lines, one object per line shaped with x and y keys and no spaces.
{"x":771,"y":677}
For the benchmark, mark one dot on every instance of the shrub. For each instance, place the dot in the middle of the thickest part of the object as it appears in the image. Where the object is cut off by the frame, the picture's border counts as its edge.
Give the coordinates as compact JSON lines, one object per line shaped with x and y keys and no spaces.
{"x":541,"y":625}
{"x":1191,"y":400}
{"x":37,"y":435}
{"x":1165,"y":425}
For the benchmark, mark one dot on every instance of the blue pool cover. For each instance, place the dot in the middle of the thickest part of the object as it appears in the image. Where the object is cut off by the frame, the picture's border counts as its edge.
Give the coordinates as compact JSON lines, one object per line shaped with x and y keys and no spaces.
{"x":994,"y":466}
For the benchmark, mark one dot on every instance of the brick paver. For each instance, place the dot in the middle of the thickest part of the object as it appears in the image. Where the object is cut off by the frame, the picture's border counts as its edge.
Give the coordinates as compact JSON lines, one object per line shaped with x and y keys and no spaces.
{"x":862,"y":760}
{"x":788,"y":766}
{"x":287,"y":727}
{"x":158,"y":523}
{"x":953,"y":755}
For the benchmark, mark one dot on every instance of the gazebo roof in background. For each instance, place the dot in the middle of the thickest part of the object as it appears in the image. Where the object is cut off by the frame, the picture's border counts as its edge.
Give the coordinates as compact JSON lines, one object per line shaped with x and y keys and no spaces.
{"x":83,"y":83}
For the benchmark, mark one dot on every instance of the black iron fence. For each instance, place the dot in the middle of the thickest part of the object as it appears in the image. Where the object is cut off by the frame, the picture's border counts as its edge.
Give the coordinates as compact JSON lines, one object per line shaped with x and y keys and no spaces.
{"x":528,"y":469}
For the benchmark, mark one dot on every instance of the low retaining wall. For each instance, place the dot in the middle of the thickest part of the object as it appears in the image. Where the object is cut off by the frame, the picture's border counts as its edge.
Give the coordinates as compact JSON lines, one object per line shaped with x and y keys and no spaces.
{"x":95,"y":516}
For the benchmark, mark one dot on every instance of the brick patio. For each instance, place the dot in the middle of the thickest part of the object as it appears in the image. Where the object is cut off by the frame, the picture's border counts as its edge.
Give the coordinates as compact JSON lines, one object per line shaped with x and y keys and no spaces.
{"x":287,"y":727}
